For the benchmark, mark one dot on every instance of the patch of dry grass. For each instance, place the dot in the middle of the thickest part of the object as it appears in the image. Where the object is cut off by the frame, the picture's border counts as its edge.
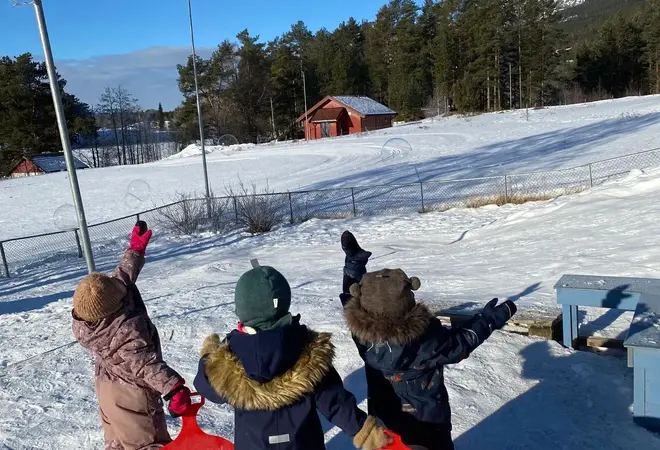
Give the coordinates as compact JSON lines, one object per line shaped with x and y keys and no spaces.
{"x":499,"y":200}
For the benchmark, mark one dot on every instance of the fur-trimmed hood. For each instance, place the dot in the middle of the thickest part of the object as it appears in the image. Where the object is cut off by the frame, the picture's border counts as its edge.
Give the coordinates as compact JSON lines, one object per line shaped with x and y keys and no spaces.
{"x":369,"y":327}
{"x":228,"y":377}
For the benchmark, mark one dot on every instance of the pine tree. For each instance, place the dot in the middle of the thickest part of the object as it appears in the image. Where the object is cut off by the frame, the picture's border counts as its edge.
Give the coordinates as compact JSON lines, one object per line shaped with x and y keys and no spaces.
{"x":349,"y":74}
{"x":160,"y":117}
{"x":251,"y":86}
{"x":28,"y":123}
{"x":649,"y":19}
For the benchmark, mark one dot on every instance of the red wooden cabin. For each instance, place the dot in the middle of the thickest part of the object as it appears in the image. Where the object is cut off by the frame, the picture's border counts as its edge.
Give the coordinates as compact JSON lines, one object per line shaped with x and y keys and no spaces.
{"x":343,"y":115}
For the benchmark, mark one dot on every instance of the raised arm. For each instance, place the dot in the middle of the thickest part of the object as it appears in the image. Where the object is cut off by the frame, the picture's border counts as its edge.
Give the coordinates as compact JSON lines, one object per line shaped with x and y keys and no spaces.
{"x":453,"y":345}
{"x":129,"y":267}
{"x":132,"y":260}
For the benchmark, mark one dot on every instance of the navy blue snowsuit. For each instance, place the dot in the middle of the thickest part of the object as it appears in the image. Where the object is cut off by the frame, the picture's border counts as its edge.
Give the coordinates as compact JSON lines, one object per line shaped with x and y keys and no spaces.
{"x":276,"y":380}
{"x":404,"y":364}
{"x":405,"y":381}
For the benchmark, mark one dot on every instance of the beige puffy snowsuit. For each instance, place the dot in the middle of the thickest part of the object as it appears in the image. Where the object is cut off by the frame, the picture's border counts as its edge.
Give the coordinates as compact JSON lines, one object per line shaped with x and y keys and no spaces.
{"x":131,"y":375}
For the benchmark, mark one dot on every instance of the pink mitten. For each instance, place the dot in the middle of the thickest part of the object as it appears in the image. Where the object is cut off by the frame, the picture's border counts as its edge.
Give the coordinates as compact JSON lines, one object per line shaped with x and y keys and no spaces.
{"x":140,"y":238}
{"x":179,"y":400}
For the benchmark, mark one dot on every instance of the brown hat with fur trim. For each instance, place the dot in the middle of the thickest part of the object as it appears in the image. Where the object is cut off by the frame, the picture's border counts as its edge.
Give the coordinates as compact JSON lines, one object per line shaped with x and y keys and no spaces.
{"x":98,"y":296}
{"x":386,"y":292}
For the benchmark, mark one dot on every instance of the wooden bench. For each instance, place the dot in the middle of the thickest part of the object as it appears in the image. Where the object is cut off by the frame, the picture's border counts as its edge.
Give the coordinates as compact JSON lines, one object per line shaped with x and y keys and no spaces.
{"x":644,"y":341}
{"x":641,"y":295}
{"x":574,"y":291}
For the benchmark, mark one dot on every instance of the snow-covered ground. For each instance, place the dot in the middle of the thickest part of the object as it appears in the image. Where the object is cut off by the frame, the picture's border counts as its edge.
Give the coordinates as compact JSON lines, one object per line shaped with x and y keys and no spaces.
{"x":513,"y":393}
{"x":456,"y":147}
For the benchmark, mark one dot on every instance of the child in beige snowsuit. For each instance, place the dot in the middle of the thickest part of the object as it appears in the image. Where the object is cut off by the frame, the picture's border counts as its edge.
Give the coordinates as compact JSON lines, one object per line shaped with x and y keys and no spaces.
{"x":111,"y":321}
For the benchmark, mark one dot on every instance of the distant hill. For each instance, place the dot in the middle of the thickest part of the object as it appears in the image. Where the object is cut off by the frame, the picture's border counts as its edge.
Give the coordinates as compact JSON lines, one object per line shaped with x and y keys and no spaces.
{"x":582,"y":17}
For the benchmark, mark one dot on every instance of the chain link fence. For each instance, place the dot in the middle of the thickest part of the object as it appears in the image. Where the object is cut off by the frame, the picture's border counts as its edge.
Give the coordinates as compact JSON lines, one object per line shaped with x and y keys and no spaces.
{"x":259,"y":213}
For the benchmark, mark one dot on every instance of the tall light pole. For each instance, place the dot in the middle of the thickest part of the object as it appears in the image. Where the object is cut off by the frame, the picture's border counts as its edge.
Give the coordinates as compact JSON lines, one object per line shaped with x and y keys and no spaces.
{"x":64,"y":133}
{"x":302,"y":73}
{"x":199,"y":104}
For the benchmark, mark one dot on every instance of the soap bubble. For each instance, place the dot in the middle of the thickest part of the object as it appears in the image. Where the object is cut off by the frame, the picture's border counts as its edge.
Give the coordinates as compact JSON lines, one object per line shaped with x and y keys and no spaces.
{"x":227,"y":140}
{"x":395,"y":156}
{"x":137,"y":194}
{"x":65,"y":217}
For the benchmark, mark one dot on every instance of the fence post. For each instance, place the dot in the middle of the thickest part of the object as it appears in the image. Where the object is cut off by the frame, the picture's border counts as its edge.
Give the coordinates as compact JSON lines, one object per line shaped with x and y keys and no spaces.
{"x":291,"y":207}
{"x":421,"y":190}
{"x":4,"y":259}
{"x":591,"y":176}
{"x":236,"y":208}
{"x":506,"y":189}
{"x":353,"y":197}
{"x":80,"y":253}
{"x":137,"y":217}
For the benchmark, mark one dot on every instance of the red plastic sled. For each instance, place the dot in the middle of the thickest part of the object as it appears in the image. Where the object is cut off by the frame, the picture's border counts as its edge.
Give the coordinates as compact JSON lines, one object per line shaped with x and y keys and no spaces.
{"x":397,"y":444}
{"x":192,"y":437}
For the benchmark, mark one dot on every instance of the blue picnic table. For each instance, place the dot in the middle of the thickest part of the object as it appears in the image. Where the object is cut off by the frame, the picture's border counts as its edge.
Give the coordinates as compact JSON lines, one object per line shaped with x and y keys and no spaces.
{"x":641,"y":295}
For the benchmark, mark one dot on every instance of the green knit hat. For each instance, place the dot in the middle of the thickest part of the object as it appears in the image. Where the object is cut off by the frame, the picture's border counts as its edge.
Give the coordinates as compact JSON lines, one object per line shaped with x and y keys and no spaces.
{"x":263,"y":299}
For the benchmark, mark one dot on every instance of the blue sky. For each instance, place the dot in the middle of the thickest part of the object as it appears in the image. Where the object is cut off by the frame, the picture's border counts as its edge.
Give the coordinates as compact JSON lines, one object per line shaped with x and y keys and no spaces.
{"x":137,"y":43}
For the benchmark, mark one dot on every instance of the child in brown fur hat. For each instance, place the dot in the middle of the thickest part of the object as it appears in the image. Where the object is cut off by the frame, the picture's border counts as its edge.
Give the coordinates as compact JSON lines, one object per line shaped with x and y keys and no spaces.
{"x":111,"y":321}
{"x":405,"y":348}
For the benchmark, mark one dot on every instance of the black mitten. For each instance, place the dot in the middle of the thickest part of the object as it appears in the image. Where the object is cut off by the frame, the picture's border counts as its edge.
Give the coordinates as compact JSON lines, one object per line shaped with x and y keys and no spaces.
{"x":499,"y":315}
{"x":355,"y":263}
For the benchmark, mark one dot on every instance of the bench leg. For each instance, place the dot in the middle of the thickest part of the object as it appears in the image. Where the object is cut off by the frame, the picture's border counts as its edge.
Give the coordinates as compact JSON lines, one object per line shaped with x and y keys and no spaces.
{"x":570,"y":324}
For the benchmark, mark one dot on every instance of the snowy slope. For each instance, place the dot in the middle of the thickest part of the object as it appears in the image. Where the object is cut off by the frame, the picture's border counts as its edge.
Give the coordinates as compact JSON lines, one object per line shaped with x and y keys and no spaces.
{"x":512,"y":393}
{"x":490,"y":144}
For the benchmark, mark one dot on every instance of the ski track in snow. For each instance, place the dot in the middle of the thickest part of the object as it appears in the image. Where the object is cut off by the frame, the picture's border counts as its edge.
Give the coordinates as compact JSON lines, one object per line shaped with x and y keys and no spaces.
{"x":512,"y":393}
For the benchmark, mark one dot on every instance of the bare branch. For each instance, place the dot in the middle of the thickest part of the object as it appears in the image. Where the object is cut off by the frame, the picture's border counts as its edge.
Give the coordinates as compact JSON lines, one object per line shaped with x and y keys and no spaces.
{"x":20,"y":3}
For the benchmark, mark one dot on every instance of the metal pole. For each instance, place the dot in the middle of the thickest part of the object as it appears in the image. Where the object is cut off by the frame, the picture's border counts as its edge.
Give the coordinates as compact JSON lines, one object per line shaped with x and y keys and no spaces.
{"x":4,"y":259}
{"x":291,"y":207}
{"x":199,"y":106}
{"x":80,"y":253}
{"x":591,"y":176}
{"x":64,"y":136}
{"x":353,"y":198}
{"x":421,"y":191}
{"x":506,"y":188}
{"x":302,"y":72}
{"x":272,"y":116}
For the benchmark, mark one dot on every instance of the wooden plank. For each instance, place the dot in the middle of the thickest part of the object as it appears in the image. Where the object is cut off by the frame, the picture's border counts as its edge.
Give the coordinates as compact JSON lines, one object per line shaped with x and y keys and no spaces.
{"x":623,"y":300}
{"x":645,"y":327}
{"x":598,"y":342}
{"x":639,"y":385}
{"x":652,"y":388}
{"x":606,"y":283}
{"x":652,"y":410}
{"x":647,"y":358}
{"x":631,"y":357}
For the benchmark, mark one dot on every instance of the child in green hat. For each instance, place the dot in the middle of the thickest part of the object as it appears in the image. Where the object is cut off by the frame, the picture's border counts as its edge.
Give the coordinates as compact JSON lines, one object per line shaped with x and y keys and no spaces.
{"x":277,"y":373}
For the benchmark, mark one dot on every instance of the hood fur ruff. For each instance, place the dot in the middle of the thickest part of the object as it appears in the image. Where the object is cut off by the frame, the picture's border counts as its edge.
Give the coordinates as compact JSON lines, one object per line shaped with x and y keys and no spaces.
{"x":368,"y":327}
{"x":227,"y":375}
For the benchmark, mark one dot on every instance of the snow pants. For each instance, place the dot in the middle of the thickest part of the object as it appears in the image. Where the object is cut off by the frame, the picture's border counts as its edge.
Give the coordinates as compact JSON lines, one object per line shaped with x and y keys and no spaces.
{"x":132,"y":418}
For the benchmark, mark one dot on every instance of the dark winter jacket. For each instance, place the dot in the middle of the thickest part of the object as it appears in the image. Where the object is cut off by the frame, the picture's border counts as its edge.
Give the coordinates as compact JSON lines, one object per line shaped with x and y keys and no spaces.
{"x":276,"y":380}
{"x":404,"y":362}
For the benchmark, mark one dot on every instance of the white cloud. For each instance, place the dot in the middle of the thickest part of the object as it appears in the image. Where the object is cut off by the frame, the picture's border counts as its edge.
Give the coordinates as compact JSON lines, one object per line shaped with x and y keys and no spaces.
{"x":149,"y":74}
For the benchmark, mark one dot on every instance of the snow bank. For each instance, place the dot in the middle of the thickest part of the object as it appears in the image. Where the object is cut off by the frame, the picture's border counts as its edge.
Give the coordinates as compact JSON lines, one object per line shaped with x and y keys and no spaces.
{"x":196,"y":150}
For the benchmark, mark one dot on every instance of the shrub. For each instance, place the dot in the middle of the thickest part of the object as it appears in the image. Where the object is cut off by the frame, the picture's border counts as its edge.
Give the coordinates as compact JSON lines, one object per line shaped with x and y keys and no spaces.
{"x":184,"y":215}
{"x":258,"y":211}
{"x":189,"y":214}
